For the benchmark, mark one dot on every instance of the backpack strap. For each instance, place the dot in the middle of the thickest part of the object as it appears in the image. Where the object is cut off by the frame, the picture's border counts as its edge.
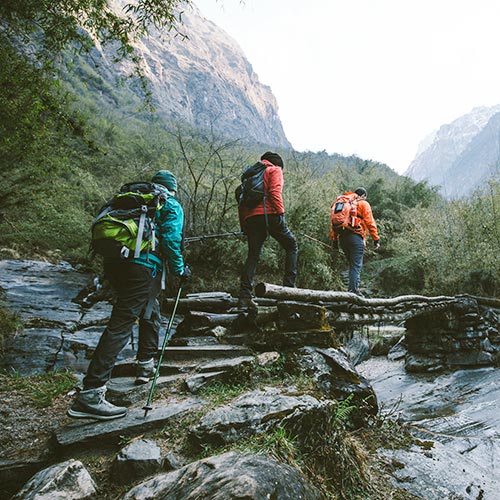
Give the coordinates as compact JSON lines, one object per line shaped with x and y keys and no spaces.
{"x":140,"y":232}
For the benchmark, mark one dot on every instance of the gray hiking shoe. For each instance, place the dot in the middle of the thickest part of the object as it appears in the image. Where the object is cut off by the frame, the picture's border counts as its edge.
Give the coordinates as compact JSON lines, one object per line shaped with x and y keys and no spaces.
{"x":145,"y":371}
{"x":246,"y":303}
{"x":92,"y":403}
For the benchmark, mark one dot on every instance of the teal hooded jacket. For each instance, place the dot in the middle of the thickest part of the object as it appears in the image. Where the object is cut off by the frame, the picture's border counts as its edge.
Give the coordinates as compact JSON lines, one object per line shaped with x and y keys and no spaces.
{"x":169,"y":232}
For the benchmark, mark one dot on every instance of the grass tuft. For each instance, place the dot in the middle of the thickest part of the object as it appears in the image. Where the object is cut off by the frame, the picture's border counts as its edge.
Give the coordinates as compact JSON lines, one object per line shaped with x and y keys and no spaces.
{"x":40,"y":390}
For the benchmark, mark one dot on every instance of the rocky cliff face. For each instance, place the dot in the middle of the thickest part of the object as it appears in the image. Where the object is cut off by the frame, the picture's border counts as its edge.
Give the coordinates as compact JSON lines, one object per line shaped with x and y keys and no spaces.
{"x":204,"y":80}
{"x":461,"y":155}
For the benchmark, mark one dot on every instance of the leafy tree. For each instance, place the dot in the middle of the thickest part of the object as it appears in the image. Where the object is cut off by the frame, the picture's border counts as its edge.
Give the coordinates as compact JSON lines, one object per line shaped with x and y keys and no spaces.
{"x":55,"y":24}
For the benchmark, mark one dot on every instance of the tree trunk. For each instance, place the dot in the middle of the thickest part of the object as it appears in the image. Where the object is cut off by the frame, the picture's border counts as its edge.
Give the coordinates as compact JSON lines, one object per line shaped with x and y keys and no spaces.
{"x":321,"y":296}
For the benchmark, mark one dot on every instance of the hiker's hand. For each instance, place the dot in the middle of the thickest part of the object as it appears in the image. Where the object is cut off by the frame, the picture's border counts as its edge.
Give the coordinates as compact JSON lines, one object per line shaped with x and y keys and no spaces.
{"x":186,"y":274}
{"x":335,"y":245}
{"x":376,"y":245}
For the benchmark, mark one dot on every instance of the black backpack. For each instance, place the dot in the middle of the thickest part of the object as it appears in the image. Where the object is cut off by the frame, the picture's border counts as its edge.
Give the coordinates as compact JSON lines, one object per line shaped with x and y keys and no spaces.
{"x":251,"y":190}
{"x":125,"y":226}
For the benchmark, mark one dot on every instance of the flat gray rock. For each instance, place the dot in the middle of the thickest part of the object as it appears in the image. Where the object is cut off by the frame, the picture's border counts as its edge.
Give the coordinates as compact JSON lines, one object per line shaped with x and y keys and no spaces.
{"x":133,"y":423}
{"x":122,"y":391}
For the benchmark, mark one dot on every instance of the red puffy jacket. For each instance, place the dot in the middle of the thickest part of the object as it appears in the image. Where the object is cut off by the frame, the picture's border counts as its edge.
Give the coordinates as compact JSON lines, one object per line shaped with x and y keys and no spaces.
{"x":273,"y":188}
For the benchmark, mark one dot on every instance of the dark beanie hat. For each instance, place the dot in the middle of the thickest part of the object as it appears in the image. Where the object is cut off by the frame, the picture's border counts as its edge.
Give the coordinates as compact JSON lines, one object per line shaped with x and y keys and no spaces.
{"x":274,"y":158}
{"x":165,"y":178}
{"x":361,"y":191}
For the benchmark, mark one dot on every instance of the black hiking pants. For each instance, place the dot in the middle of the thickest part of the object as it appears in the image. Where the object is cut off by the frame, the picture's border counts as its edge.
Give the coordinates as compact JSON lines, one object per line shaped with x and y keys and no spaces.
{"x":136,"y":288}
{"x":257,"y":231}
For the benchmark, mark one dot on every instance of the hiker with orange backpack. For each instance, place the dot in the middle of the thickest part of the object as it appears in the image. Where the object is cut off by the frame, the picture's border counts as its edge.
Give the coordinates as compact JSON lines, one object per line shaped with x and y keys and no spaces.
{"x":351,"y":220}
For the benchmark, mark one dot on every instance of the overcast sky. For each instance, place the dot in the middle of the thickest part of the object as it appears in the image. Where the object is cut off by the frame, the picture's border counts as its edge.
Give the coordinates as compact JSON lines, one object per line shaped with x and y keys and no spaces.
{"x":368,"y":77}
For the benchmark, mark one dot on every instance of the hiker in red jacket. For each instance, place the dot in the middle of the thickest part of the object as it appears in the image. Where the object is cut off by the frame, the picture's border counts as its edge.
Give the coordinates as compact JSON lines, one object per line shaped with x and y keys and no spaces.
{"x":268,"y":217}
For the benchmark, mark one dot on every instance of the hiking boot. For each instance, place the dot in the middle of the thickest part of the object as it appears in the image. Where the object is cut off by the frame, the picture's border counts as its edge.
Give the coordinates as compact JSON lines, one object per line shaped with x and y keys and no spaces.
{"x":92,"y":403}
{"x":145,"y":371}
{"x":246,"y":303}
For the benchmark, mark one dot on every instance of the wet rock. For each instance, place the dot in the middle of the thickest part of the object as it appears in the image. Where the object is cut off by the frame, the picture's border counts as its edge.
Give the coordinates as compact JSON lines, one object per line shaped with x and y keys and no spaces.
{"x":67,"y":480}
{"x":301,"y":316}
{"x":384,"y":339}
{"x":398,"y":351}
{"x":357,"y":348}
{"x":415,"y":363}
{"x":227,"y":477}
{"x":251,"y":413}
{"x":428,"y":474}
{"x":335,"y":375}
{"x":57,"y":333}
{"x":451,"y":337}
{"x":32,"y":351}
{"x":477,"y":358}
{"x":140,"y":459}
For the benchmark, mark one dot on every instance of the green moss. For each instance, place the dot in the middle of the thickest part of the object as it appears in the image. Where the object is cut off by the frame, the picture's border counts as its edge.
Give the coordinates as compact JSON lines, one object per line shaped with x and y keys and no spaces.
{"x":40,"y":390}
{"x":10,"y":324}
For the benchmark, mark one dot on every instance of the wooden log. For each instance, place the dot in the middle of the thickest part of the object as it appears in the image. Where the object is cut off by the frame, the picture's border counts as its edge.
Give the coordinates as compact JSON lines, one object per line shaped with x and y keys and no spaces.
{"x":320,"y":296}
{"x":198,"y":321}
{"x":209,"y":304}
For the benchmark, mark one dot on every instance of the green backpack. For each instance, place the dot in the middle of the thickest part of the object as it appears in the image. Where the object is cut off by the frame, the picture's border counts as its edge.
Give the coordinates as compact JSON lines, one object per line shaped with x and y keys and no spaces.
{"x":125,"y":226}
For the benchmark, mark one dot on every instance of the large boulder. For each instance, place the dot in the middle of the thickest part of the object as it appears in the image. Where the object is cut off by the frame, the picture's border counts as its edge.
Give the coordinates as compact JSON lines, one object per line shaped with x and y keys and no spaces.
{"x":250,"y":414}
{"x":65,"y":481}
{"x":231,"y":476}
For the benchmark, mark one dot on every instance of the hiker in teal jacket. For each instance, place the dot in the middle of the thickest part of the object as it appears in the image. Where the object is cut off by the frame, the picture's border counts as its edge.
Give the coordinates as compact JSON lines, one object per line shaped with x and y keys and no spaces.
{"x":136,"y":284}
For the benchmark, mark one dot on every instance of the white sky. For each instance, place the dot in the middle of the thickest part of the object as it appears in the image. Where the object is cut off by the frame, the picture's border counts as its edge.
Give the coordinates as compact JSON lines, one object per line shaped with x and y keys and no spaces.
{"x":368,"y":77}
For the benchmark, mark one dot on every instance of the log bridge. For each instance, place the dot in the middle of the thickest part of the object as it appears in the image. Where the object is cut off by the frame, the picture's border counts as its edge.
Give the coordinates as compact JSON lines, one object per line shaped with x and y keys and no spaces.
{"x":441,"y":331}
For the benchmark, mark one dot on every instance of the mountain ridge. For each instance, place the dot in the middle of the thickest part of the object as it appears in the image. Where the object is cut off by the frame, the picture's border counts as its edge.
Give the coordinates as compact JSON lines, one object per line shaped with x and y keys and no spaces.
{"x":461,"y":155}
{"x":203,"y":79}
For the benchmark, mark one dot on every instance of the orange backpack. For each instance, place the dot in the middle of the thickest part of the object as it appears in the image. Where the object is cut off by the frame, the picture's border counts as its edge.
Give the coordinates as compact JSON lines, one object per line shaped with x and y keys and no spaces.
{"x":344,"y":213}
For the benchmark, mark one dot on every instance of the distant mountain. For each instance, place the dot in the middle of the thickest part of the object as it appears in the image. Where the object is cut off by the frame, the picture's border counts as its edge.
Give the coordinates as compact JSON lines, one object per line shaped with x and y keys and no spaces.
{"x":462,"y":155}
{"x":203,"y":80}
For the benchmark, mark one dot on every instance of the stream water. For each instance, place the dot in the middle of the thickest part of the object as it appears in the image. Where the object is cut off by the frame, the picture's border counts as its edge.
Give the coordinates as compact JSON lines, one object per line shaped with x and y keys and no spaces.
{"x":459,"y":413}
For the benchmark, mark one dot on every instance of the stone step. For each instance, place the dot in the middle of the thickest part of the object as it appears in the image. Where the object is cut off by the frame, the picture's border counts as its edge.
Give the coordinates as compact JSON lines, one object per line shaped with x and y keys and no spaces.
{"x":194,"y":341}
{"x":205,"y":352}
{"x":200,"y":380}
{"x":225,"y":364}
{"x":127,"y":367}
{"x":122,"y":391}
{"x":134,"y":423}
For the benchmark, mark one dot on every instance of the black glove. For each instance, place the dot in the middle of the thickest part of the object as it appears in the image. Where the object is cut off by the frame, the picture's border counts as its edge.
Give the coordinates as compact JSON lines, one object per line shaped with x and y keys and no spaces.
{"x":376,"y":245}
{"x":186,"y":274}
{"x":335,"y":244}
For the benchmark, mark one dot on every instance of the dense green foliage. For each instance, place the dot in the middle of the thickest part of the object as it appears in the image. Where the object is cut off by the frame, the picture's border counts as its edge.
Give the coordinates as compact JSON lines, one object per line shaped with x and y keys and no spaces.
{"x":452,"y":247}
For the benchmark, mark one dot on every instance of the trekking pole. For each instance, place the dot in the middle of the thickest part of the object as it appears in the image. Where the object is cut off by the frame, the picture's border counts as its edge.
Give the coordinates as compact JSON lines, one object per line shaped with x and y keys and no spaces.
{"x":148,"y":406}
{"x":203,"y":237}
{"x":317,"y":241}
